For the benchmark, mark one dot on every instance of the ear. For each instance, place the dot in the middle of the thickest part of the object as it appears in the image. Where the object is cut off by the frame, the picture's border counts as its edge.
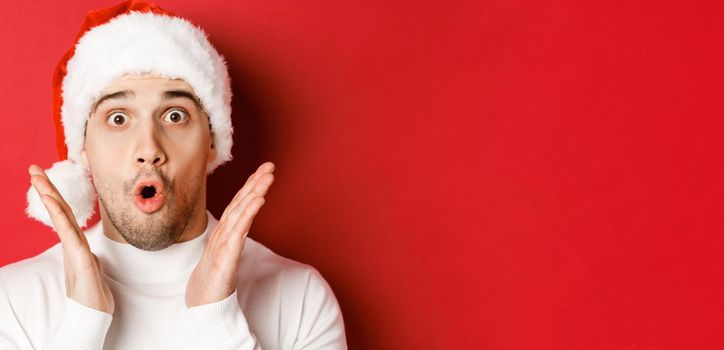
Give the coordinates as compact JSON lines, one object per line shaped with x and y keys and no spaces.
{"x":84,"y":158}
{"x":212,"y":150}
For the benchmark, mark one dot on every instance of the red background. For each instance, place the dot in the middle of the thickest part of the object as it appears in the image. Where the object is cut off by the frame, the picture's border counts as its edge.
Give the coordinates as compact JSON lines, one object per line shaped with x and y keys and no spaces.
{"x":495,"y":174}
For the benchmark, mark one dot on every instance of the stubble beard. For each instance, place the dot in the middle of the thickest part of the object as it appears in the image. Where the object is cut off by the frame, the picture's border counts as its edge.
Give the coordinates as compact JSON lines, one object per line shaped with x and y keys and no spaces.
{"x":154,"y":231}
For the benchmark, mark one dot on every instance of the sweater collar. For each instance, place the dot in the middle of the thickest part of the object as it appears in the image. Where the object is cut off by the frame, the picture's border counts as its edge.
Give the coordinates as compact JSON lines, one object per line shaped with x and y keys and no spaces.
{"x":126,"y":263}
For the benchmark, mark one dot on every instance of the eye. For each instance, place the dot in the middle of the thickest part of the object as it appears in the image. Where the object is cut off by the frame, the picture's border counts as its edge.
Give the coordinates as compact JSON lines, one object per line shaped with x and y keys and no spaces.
{"x":176,"y":116}
{"x":117,"y":119}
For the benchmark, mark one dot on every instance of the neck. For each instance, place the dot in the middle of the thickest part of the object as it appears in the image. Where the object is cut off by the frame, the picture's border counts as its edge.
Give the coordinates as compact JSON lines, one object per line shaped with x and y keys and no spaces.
{"x":149,"y":269}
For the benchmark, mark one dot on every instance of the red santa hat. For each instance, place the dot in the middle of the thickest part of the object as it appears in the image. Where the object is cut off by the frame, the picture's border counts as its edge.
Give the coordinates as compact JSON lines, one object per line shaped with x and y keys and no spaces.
{"x":130,"y":38}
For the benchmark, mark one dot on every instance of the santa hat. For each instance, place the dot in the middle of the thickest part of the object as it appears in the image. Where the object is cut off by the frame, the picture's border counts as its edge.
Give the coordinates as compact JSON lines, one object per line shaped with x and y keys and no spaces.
{"x":132,"y":37}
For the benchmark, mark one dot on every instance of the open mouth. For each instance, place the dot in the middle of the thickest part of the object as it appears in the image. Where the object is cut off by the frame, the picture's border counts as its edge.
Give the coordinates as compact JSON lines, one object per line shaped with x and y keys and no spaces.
{"x":148,"y":192}
{"x":148,"y":196}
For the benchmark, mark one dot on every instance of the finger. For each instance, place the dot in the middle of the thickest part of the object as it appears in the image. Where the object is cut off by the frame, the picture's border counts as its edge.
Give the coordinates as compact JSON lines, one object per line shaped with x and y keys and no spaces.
{"x":66,"y":231}
{"x":35,"y":170}
{"x":47,"y":186}
{"x":230,"y":215}
{"x":248,"y":215}
{"x":267,"y":167}
{"x":43,"y":186}
{"x":259,"y":190}
{"x":242,"y":226}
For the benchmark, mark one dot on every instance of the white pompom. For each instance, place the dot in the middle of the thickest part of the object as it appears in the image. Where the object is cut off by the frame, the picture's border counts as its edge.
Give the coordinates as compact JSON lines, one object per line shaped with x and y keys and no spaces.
{"x":74,"y":185}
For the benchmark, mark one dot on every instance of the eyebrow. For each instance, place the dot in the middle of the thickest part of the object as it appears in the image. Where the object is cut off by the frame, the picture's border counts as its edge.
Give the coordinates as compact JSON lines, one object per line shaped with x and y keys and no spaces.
{"x":118,"y":95}
{"x":167,"y":95}
{"x":171,"y":94}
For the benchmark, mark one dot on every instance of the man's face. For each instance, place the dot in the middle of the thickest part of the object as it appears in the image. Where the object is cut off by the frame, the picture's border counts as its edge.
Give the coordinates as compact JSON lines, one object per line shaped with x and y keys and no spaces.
{"x":147,"y":144}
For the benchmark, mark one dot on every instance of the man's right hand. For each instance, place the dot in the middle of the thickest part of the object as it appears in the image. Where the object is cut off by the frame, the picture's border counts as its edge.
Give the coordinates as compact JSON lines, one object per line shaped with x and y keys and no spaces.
{"x":83,"y":280}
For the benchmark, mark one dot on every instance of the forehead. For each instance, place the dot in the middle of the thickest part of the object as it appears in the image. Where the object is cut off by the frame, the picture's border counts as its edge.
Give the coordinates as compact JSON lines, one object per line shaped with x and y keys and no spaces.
{"x":152,"y":88}
{"x":145,"y":81}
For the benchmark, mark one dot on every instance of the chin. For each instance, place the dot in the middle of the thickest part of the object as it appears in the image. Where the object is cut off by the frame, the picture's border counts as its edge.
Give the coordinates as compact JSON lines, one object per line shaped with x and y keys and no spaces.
{"x":154,"y":231}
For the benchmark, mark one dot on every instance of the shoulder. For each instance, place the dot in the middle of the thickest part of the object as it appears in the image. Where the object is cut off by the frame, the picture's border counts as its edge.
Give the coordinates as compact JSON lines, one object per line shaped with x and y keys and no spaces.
{"x":269,"y":273}
{"x":271,"y":285}
{"x":31,"y":293}
{"x":311,"y":310}
{"x":261,"y":263}
{"x":38,"y":269}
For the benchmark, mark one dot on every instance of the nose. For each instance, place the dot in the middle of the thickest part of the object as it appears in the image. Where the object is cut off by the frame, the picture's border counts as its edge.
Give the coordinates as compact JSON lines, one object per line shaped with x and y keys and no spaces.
{"x":149,"y":151}
{"x":154,"y":160}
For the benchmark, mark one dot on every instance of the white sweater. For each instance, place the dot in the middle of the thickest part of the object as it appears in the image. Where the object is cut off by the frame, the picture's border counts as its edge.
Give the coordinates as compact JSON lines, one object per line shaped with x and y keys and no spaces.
{"x":278,"y":303}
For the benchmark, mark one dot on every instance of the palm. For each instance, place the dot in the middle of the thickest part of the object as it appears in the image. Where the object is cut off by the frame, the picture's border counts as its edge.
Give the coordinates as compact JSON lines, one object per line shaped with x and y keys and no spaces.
{"x":215,"y":277}
{"x":83,"y":280}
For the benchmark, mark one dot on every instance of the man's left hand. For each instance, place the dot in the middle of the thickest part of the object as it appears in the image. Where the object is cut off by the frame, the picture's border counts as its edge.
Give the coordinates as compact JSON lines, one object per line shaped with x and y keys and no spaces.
{"x":216,"y":275}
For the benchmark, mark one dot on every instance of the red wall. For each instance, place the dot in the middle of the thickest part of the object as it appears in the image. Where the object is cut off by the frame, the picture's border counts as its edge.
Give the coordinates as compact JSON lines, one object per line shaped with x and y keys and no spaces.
{"x":496,"y":174}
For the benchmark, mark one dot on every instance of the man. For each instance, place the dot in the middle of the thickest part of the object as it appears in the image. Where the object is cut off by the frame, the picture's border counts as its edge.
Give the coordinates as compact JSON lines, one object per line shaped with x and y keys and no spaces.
{"x":142,"y":111}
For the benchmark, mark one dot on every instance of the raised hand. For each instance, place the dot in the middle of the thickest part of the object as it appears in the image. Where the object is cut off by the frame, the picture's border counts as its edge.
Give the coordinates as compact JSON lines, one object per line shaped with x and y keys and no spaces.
{"x":216,"y":275}
{"x":83,"y":280}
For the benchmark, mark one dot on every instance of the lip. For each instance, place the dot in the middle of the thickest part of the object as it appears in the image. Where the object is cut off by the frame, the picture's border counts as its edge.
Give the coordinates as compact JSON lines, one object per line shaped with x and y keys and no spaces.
{"x":149,"y":205}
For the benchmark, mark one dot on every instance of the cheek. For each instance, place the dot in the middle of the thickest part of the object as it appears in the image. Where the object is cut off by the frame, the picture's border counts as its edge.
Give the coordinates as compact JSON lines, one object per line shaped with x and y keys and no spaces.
{"x":104,"y":160}
{"x":104,"y":174}
{"x":189,"y":149}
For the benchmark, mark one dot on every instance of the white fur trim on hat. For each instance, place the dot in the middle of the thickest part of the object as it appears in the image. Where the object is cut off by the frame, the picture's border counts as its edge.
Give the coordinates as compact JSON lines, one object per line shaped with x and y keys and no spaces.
{"x":138,"y":43}
{"x":74,"y":185}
